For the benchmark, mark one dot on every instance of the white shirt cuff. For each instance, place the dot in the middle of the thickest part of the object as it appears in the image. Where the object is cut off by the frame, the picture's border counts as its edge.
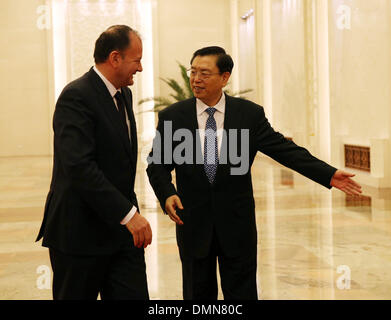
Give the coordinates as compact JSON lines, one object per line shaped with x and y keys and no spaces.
{"x":129,"y":215}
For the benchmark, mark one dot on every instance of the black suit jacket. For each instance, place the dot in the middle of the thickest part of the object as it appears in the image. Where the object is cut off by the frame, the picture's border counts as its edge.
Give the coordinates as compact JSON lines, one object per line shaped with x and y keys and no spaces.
{"x":92,"y":187}
{"x":228,"y":205}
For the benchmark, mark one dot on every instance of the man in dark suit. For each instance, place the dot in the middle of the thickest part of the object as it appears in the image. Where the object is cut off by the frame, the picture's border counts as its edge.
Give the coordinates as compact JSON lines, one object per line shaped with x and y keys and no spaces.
{"x":92,"y":226}
{"x":213,"y":205}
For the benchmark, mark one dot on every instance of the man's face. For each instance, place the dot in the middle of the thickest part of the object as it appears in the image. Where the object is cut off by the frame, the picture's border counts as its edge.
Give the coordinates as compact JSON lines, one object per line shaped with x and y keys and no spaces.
{"x":130,"y":61}
{"x":206,"y":81}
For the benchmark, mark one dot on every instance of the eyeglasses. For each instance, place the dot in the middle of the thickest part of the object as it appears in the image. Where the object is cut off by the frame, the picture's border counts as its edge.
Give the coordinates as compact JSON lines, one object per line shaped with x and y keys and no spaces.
{"x":201,"y":74}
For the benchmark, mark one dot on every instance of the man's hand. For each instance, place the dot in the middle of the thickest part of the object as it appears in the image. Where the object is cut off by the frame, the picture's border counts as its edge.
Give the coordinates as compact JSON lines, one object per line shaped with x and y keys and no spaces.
{"x":172,"y":203}
{"x":141,"y":230}
{"x":342,"y":181}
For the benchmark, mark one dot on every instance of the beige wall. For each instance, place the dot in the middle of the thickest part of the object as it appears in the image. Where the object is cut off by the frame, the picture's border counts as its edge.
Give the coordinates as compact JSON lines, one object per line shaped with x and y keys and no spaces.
{"x":26,"y":79}
{"x":360,"y":80}
{"x":282,"y":82}
{"x":289,"y":68}
{"x":247,"y":45}
{"x":322,"y":85}
{"x":360,"y":70}
{"x":185,"y":26}
{"x":24,"y":94}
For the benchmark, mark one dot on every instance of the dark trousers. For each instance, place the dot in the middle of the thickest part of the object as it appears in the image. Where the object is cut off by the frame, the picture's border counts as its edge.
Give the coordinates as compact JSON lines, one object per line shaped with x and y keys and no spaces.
{"x":116,"y":277}
{"x":237,"y":276}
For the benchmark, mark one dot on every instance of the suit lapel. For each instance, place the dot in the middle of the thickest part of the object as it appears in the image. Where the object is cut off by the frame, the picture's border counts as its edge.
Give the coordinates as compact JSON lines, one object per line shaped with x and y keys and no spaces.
{"x":127,"y":93}
{"x":190,"y":119}
{"x":109,"y":108}
{"x":189,"y":116}
{"x":232,"y":120}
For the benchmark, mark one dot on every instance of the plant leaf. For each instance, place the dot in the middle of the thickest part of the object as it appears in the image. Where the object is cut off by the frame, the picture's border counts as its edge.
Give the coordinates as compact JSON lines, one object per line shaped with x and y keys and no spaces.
{"x":186,"y":80}
{"x":174,"y":85}
{"x":157,"y":100}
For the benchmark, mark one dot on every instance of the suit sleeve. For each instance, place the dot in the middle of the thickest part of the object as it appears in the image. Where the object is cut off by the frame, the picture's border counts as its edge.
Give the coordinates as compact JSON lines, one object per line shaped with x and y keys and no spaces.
{"x":74,"y":138}
{"x":287,"y":153}
{"x":159,"y":173}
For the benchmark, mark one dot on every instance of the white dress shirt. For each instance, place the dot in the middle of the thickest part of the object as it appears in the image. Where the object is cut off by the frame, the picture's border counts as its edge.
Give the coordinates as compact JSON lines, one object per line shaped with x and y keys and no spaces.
{"x":202,"y":116}
{"x":113,"y":91}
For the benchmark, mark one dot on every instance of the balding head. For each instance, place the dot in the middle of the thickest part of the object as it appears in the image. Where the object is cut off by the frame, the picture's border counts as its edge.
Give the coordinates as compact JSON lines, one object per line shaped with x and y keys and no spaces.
{"x":115,"y":38}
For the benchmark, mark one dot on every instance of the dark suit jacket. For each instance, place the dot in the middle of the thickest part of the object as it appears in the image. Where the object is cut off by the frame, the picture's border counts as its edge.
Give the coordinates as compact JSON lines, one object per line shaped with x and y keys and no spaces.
{"x":228,"y":205}
{"x":93,"y":172}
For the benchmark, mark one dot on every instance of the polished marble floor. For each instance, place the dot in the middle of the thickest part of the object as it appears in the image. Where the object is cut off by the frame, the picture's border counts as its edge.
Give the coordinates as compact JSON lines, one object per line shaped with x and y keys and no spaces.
{"x":313,"y":243}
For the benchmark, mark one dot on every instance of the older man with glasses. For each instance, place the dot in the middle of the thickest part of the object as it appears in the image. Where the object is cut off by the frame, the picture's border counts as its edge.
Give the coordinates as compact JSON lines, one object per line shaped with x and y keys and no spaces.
{"x":213,"y":206}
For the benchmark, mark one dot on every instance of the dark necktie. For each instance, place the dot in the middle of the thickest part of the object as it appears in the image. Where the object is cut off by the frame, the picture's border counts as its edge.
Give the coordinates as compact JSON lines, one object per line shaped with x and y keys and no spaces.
{"x":121,"y":110}
{"x":210,"y":146}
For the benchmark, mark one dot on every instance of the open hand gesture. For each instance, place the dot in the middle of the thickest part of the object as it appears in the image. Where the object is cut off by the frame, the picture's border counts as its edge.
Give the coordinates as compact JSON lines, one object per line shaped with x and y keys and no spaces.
{"x":342,"y":181}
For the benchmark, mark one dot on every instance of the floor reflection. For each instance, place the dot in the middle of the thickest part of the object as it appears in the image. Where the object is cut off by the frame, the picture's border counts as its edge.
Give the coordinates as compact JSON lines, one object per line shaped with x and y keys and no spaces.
{"x":287,"y":178}
{"x":312,"y":241}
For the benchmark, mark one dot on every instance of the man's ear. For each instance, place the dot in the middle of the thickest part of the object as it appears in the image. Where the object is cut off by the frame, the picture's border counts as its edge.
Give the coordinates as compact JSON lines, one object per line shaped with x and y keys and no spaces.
{"x":226,"y":76}
{"x":114,"y":58}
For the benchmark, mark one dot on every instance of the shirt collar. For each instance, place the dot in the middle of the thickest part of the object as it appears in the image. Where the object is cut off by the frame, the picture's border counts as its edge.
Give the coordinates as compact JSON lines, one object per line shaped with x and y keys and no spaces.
{"x":220,"y":106}
{"x":108,"y":84}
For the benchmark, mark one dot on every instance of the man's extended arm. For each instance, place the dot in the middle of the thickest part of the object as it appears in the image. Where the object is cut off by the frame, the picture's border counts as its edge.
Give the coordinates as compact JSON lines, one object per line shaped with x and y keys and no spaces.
{"x":299,"y":159}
